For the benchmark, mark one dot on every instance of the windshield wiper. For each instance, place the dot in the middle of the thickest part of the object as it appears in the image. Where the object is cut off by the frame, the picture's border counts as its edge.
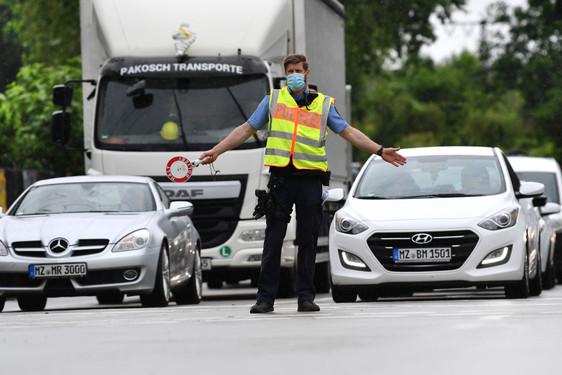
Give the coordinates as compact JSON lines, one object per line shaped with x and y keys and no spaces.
{"x":244,"y":115}
{"x":443,"y":195}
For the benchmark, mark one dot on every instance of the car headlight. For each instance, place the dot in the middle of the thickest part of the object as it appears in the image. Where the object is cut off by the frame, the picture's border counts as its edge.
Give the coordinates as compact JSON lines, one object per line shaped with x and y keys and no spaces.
{"x":501,"y":220}
{"x":3,"y":249}
{"x":134,"y":241}
{"x":349,"y":225}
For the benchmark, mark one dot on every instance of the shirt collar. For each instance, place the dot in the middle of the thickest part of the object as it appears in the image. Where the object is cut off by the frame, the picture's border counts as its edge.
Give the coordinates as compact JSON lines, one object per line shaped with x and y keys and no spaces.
{"x":298,"y":97}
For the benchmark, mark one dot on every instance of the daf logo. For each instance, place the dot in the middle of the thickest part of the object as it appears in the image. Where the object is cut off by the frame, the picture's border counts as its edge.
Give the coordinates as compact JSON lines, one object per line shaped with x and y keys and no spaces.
{"x":58,"y":245}
{"x":422,"y":238}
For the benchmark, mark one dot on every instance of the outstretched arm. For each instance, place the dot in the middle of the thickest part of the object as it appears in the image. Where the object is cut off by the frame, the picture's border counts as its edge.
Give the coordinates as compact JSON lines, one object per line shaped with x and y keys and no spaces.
{"x":361,"y":141}
{"x":234,"y":139}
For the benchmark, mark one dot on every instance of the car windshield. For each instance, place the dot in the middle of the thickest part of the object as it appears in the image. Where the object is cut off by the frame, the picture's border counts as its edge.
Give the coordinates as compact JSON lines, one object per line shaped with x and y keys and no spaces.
{"x":431,"y":177}
{"x":188,"y":114}
{"x":86,"y":197}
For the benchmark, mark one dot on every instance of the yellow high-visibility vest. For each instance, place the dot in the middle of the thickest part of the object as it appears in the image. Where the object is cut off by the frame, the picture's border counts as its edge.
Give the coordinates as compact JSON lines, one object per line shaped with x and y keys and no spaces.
{"x":297,"y":134}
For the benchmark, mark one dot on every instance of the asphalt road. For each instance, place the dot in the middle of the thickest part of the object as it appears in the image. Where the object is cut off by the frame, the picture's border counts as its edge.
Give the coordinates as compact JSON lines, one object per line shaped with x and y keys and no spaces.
{"x":446,"y":332}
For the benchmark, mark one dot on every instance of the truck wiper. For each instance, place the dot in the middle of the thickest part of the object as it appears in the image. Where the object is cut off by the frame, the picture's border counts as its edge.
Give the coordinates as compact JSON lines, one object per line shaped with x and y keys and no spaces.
{"x":183,"y":137}
{"x":244,"y":115}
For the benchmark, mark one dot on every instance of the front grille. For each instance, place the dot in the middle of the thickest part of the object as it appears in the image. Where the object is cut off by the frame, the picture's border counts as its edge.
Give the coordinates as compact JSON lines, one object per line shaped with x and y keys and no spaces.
{"x":35,"y":249}
{"x":215,"y":219}
{"x":461,"y":242}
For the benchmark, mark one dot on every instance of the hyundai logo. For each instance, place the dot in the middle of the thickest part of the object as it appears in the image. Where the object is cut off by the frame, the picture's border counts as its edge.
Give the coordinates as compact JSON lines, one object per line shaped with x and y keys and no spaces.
{"x":422,"y":238}
{"x":58,"y":245}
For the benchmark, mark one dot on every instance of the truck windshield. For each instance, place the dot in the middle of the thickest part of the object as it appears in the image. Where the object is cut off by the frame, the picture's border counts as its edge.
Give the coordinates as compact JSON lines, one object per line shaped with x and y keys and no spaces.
{"x":189,"y":114}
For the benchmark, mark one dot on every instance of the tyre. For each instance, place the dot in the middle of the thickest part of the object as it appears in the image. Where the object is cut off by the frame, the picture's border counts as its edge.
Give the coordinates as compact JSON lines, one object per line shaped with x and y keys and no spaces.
{"x":549,"y":275}
{"x":110,"y":298}
{"x":322,"y":277}
{"x":2,"y":303}
{"x":191,"y":292}
{"x":368,"y":296}
{"x":343,"y":294}
{"x":521,"y":288}
{"x":32,"y":302}
{"x":214,"y":283}
{"x":287,"y":282}
{"x":160,"y":295}
{"x":535,"y":284}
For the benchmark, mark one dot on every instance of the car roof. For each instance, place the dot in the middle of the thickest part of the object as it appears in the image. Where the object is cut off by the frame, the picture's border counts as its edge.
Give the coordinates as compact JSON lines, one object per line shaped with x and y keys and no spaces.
{"x":533,"y":164}
{"x":449,"y":150}
{"x":98,"y":178}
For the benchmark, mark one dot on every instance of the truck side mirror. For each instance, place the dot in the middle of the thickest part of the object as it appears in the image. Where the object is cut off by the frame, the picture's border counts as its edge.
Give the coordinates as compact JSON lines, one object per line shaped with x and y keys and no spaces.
{"x":62,"y":95}
{"x":60,"y":127}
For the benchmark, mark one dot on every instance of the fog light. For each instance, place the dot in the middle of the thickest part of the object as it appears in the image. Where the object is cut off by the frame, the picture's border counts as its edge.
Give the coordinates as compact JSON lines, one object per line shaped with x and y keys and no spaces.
{"x":352,"y":261}
{"x":130,"y":274}
{"x":496,"y":257}
{"x":254,"y":258}
{"x":253,"y":235}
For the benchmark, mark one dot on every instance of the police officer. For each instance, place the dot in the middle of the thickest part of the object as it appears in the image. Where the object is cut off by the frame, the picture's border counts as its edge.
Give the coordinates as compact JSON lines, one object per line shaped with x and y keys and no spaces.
{"x":298,"y":165}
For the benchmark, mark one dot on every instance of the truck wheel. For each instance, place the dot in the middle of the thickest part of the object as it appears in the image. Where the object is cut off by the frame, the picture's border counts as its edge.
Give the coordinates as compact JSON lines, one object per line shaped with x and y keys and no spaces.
{"x":191,"y":292}
{"x":160,"y":295}
{"x":287,"y":282}
{"x":32,"y":302}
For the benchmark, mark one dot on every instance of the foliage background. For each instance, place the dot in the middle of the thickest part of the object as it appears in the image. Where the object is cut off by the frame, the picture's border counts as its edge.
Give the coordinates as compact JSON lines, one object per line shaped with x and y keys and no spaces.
{"x":508,"y":95}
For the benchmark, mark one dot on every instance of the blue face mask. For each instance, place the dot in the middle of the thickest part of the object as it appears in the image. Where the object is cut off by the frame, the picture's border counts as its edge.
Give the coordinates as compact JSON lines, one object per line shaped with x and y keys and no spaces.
{"x":295,"y":81}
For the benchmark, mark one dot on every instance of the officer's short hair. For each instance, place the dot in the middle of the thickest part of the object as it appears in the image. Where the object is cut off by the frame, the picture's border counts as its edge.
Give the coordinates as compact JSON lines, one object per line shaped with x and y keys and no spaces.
{"x":295,"y":59}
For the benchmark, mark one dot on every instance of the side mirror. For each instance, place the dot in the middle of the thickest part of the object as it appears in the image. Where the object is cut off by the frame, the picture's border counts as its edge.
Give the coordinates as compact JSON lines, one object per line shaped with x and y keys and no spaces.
{"x":181,"y":208}
{"x":60,"y":127}
{"x":539,"y":201}
{"x":550,"y":208}
{"x":530,"y":190}
{"x":62,"y":95}
{"x":333,"y":195}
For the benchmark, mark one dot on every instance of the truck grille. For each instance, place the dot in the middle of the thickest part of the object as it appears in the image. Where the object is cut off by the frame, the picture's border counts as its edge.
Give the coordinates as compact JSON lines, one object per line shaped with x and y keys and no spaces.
{"x":215,"y":219}
{"x":461,"y":242}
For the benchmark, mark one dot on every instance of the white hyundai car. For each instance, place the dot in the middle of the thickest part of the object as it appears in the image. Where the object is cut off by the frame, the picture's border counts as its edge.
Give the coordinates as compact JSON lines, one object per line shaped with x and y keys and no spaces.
{"x":103,"y":236}
{"x":450,"y":217}
{"x":546,"y":171}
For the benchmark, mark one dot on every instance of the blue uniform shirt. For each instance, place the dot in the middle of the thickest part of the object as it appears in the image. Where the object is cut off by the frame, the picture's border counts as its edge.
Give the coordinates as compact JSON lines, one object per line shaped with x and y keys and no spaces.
{"x":261,"y":116}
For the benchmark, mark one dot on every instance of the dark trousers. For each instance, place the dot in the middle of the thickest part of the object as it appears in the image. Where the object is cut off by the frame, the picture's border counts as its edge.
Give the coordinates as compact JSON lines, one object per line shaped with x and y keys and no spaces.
{"x":306,"y":194}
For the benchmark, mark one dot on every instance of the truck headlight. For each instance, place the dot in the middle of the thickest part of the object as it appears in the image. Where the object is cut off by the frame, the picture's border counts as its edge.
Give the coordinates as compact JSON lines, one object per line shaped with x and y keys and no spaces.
{"x":3,"y":249}
{"x":134,"y":241}
{"x":501,"y":220}
{"x":347,"y":224}
{"x":253,"y":235}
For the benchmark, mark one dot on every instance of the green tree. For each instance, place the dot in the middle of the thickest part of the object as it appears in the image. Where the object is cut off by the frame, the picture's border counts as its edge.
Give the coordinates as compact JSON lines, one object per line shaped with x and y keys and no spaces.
{"x":427,"y":105}
{"x":49,"y":30}
{"x":10,"y":48}
{"x":25,"y":118}
{"x":530,"y":62}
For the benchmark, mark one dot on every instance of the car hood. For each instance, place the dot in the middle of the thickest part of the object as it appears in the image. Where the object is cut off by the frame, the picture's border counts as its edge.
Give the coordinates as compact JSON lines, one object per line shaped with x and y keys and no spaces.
{"x":463,"y":209}
{"x":73,"y":226}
